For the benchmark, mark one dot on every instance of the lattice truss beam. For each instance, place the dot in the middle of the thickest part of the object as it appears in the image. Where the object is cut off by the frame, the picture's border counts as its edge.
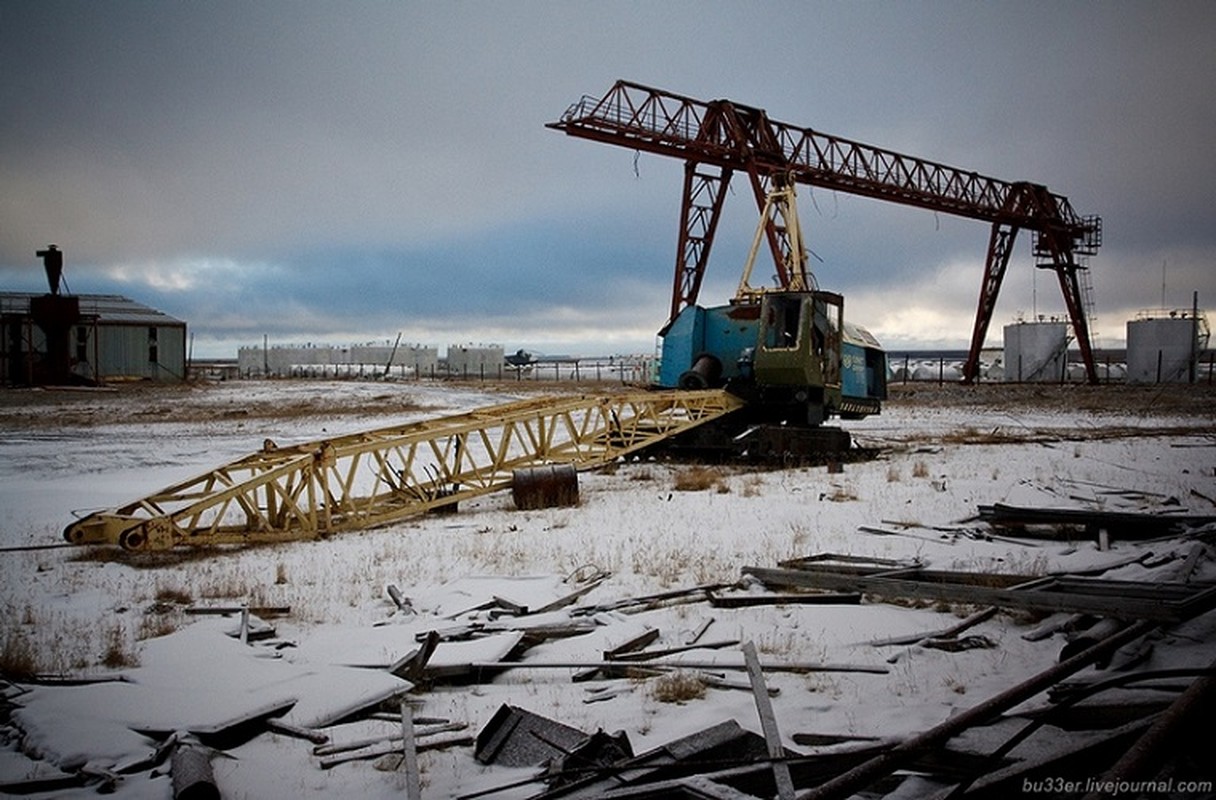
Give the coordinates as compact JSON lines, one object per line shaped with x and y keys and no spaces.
{"x":377,"y":477}
{"x":735,"y":136}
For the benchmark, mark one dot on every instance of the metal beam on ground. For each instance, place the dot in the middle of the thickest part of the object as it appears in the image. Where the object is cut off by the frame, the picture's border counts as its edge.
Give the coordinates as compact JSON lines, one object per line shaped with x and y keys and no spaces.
{"x":378,"y":477}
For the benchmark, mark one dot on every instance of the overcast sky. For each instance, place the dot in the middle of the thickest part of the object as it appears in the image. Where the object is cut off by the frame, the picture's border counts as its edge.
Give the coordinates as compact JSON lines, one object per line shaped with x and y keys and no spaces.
{"x":344,"y":172}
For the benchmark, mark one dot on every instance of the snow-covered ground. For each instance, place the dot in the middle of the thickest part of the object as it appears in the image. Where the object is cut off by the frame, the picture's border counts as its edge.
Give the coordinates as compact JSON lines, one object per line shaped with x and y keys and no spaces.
{"x":71,"y":612}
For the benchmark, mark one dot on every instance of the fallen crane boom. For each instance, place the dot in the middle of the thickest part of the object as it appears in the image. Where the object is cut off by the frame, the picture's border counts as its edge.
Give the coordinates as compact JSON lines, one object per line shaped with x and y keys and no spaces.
{"x":376,"y":477}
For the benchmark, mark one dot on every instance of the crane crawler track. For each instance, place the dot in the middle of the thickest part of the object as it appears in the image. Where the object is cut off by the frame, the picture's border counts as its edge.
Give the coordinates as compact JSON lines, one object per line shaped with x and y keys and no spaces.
{"x":378,"y":477}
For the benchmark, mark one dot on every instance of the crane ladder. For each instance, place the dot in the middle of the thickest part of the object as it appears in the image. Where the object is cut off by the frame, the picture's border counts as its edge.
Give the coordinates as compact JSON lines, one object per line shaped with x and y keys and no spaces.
{"x":377,"y":477}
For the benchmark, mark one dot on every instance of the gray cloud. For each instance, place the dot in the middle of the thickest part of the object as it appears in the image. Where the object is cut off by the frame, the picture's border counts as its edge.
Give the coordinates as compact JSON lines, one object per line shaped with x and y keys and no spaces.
{"x":316,"y":169}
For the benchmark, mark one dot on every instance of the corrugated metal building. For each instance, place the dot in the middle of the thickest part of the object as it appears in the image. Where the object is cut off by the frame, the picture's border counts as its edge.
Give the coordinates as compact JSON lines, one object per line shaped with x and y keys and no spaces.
{"x":112,"y":338}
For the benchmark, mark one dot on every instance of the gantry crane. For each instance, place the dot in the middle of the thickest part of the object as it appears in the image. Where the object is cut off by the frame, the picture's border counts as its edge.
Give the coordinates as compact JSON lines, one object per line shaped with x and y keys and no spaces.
{"x":717,"y":138}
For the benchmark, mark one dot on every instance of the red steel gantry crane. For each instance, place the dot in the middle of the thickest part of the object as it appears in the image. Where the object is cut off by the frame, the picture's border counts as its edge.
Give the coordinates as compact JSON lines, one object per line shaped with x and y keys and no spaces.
{"x":718,"y":137}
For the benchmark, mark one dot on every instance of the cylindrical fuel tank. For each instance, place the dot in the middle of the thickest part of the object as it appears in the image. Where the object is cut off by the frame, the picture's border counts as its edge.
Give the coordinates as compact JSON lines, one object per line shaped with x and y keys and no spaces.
{"x":1164,"y":349}
{"x":1036,"y":351}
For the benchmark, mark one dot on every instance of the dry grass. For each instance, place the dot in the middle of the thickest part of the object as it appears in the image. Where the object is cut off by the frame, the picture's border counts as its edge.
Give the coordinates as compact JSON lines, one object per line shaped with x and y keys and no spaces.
{"x":18,"y":661}
{"x":174,"y":595}
{"x":141,"y":404}
{"x":954,"y":684}
{"x":842,"y":494}
{"x":752,"y":486}
{"x":677,"y":687}
{"x":642,"y":475}
{"x":116,"y":655}
{"x":1113,"y":398}
{"x":153,"y":626}
{"x":700,"y":478}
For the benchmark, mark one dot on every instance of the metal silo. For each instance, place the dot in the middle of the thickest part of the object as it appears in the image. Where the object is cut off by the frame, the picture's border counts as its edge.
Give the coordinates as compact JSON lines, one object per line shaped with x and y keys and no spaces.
{"x":1036,"y":351}
{"x":1164,"y":346}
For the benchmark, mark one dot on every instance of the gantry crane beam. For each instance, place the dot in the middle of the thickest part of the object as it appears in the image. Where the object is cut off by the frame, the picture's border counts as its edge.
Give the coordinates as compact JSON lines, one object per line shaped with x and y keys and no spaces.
{"x":377,"y":477}
{"x":719,"y":137}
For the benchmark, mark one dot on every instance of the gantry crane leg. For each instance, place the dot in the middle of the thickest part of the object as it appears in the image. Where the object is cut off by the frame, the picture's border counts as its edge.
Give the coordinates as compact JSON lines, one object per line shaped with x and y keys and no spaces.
{"x":1000,"y":246}
{"x":704,"y":192}
{"x":1071,"y":289}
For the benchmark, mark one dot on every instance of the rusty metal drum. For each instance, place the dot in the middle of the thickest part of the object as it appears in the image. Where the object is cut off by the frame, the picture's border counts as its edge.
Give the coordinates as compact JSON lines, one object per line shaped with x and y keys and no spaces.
{"x":545,"y":486}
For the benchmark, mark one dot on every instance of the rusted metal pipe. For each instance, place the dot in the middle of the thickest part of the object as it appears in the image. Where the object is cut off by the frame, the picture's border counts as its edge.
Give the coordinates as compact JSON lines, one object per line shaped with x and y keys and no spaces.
{"x":1100,"y":630}
{"x":861,"y":776}
{"x":1144,"y":758}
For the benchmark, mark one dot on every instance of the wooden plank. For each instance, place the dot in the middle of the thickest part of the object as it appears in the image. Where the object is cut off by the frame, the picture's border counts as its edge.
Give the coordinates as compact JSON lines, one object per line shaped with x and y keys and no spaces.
{"x":696,"y":635}
{"x":768,"y":723}
{"x":719,"y":681}
{"x":1126,"y":524}
{"x":258,"y":611}
{"x":409,"y":750}
{"x":1192,"y":560}
{"x":297,"y":731}
{"x":945,"y":633}
{"x":1139,"y":600}
{"x":654,"y":600}
{"x":420,"y":731}
{"x":567,"y":599}
{"x":632,"y":645}
{"x":774,"y":599}
{"x":399,"y":600}
{"x":412,"y":664}
{"x":394,"y":749}
{"x":860,"y":562}
{"x":777,"y":666}
{"x":648,"y":655}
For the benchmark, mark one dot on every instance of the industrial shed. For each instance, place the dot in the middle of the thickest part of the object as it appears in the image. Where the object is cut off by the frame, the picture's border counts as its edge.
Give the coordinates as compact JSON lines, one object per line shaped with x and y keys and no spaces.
{"x":109,"y":338}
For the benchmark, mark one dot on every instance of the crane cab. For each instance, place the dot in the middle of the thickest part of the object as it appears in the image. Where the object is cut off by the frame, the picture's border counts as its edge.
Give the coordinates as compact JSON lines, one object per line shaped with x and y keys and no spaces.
{"x":789,"y":354}
{"x":795,"y":364}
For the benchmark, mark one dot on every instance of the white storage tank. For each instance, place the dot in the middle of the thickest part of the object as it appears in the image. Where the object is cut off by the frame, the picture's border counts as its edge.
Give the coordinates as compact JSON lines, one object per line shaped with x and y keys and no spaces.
{"x":418,"y":358}
{"x":1036,"y":351}
{"x":473,"y":361}
{"x":1163,"y":347}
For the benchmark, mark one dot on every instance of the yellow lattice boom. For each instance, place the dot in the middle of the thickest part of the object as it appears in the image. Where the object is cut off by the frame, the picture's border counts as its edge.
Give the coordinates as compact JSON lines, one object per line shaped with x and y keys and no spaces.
{"x":377,"y":477}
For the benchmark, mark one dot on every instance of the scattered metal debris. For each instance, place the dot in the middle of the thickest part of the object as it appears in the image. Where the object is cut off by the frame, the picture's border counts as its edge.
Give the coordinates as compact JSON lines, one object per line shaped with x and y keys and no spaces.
{"x":1162,"y":602}
{"x":515,"y":737}
{"x":1125,"y":525}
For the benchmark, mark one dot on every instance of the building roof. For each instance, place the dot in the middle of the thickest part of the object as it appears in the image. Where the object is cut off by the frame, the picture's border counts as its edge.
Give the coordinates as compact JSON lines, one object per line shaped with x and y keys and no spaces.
{"x":107,"y":308}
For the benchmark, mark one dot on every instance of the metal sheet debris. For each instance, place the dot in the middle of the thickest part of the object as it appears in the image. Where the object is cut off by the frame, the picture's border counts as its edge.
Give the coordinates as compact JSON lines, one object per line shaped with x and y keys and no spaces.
{"x":516,"y":737}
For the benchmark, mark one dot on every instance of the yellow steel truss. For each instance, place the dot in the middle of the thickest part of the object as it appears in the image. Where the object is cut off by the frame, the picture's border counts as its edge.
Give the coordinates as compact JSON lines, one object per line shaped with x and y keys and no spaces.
{"x":377,"y":477}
